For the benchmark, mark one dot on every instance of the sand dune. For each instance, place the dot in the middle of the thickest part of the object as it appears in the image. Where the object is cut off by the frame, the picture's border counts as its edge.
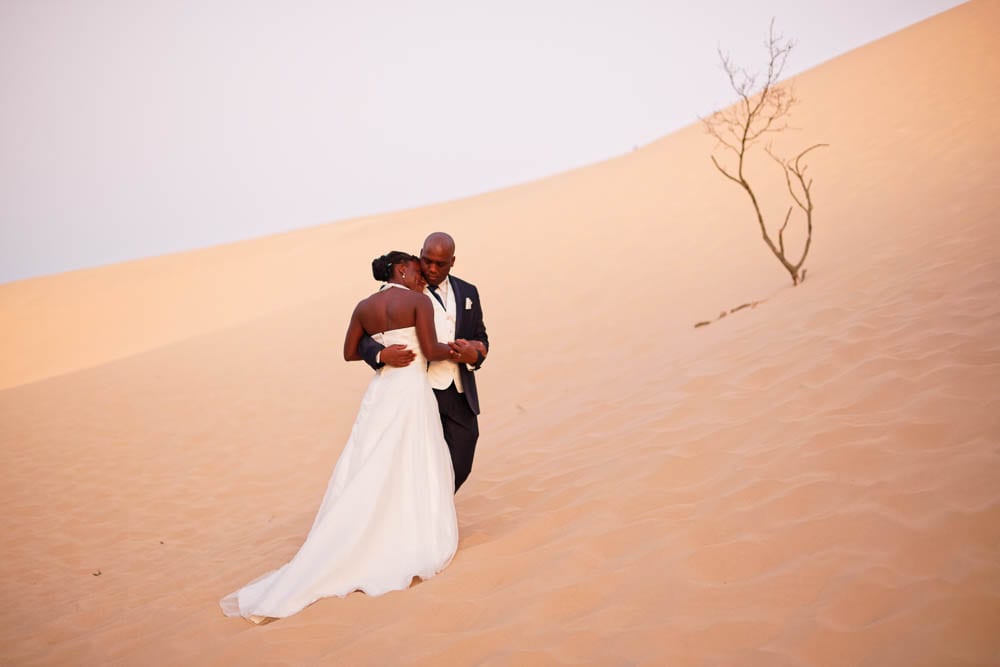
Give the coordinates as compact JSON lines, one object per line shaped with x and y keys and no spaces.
{"x":810,"y":481}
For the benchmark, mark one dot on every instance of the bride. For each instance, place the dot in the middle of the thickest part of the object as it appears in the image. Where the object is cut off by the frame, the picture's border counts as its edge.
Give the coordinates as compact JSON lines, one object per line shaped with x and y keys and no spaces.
{"x":389,"y":510}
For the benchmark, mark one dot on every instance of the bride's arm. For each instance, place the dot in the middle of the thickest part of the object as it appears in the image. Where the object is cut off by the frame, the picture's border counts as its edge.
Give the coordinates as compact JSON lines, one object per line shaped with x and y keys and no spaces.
{"x":354,"y":333}
{"x":426,"y":334}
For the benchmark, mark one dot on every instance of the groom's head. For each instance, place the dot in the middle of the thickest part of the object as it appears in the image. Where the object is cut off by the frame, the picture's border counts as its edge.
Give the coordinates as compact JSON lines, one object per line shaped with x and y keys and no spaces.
{"x":437,"y":257}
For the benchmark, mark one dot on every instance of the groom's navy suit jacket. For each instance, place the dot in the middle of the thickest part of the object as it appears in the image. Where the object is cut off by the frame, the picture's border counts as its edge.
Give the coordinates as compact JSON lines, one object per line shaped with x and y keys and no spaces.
{"x":468,"y":325}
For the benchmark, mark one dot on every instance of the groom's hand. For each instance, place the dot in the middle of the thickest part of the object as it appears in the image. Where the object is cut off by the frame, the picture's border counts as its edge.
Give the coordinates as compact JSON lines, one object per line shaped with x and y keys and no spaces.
{"x":397,"y":355}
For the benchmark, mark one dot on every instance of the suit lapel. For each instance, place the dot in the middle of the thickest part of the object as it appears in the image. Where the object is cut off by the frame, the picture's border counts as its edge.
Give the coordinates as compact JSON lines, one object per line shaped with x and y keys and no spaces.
{"x":459,"y":306}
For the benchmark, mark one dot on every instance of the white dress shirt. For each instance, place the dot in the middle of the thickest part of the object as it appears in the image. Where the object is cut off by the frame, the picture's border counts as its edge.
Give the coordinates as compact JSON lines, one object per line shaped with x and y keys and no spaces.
{"x":442,"y":373}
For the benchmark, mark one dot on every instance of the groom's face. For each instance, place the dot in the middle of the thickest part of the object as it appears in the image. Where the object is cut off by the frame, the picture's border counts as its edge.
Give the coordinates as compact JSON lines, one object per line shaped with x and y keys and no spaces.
{"x":436,"y":262}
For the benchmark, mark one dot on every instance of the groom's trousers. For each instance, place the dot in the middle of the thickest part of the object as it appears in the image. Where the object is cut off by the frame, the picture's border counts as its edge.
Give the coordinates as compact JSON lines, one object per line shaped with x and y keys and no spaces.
{"x":461,"y":430}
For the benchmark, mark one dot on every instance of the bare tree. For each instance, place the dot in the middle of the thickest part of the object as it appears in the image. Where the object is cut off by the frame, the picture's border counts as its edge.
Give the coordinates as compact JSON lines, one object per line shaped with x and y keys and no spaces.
{"x":763,"y":108}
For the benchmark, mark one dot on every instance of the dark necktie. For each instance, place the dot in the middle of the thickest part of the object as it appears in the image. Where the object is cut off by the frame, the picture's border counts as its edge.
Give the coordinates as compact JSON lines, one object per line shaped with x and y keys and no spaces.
{"x":434,"y":292}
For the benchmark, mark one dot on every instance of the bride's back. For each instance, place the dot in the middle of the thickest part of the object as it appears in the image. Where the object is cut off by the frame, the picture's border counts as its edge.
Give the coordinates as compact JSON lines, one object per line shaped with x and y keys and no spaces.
{"x":389,"y":309}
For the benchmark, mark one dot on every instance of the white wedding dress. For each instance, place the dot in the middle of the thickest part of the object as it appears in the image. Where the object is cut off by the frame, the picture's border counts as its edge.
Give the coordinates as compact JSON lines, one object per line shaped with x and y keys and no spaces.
{"x":389,"y":510}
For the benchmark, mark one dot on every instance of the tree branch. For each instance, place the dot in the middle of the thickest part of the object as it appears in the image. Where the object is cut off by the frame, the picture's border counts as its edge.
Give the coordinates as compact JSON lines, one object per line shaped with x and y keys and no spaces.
{"x":781,"y":232}
{"x":725,"y":173}
{"x":759,"y":110}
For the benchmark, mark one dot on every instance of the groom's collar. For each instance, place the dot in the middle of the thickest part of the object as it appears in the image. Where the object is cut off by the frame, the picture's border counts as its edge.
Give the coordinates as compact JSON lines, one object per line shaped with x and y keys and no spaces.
{"x":447,"y":284}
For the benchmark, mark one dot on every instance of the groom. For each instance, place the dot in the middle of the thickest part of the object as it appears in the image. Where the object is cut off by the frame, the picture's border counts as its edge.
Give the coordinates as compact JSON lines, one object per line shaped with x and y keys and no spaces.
{"x":458,"y":318}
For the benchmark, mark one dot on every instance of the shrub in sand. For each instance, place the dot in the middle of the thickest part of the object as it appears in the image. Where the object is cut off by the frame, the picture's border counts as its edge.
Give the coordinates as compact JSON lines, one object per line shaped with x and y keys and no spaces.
{"x":763,"y":108}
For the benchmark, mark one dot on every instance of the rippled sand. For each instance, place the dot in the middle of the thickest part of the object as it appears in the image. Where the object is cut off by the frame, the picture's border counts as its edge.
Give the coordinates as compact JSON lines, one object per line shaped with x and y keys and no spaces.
{"x":814,"y":480}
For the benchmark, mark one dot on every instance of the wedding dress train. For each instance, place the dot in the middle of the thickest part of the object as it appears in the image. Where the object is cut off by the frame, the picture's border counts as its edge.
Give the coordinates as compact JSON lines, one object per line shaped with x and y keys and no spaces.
{"x":389,"y":510}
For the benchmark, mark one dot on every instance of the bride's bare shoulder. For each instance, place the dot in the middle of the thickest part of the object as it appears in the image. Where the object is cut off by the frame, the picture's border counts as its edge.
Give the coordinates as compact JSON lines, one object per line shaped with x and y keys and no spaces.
{"x":407,"y":296}
{"x":368,"y":302}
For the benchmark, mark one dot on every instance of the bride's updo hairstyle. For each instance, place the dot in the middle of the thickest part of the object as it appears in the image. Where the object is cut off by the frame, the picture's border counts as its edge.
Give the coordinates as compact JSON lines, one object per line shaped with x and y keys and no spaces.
{"x":382,"y":266}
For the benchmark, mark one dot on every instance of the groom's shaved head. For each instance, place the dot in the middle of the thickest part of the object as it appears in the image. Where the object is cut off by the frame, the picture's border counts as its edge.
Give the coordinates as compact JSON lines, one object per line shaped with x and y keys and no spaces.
{"x":440,"y":241}
{"x":437,"y":257}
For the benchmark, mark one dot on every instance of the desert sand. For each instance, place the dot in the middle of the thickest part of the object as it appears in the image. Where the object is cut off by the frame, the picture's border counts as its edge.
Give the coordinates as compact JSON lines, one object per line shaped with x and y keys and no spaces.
{"x":812,"y":481}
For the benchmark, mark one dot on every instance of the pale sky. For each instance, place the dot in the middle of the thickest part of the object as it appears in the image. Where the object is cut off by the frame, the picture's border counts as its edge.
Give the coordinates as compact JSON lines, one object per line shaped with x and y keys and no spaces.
{"x":130,"y":129}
